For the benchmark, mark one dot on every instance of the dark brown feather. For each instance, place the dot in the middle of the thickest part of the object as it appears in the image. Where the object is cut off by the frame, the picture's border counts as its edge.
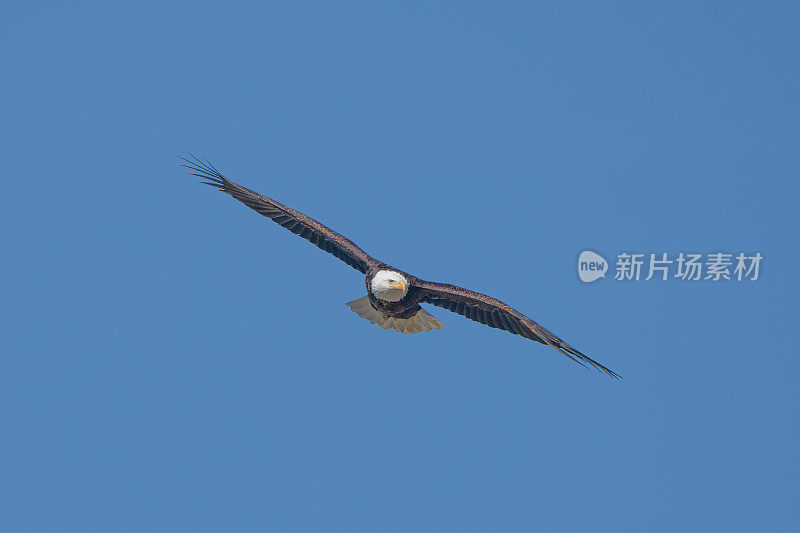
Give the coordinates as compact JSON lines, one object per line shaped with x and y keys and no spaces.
{"x":492,"y":312}
{"x":295,"y":221}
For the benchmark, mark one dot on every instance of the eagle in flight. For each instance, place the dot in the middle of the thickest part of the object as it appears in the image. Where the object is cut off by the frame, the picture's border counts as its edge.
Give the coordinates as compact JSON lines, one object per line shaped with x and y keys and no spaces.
{"x":393,"y":297}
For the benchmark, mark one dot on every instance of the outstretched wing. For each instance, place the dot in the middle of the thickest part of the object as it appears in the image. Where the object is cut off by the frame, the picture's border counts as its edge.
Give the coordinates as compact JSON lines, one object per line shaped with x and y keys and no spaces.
{"x":496,"y":314}
{"x":295,"y":221}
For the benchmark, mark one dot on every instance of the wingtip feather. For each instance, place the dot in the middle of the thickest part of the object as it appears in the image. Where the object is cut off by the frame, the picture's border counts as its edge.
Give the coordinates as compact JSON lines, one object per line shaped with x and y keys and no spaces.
{"x":205,"y":171}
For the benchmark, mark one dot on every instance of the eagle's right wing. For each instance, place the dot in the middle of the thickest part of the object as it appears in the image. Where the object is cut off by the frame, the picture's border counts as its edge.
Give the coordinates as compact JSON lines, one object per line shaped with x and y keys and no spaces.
{"x":295,"y":221}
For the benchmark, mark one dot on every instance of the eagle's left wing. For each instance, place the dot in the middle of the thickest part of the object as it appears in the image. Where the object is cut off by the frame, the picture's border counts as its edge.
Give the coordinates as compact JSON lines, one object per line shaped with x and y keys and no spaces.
{"x":494,"y":313}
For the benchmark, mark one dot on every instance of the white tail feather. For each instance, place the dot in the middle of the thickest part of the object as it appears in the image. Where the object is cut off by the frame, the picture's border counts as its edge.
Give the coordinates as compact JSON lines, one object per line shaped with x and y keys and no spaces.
{"x":419,"y":323}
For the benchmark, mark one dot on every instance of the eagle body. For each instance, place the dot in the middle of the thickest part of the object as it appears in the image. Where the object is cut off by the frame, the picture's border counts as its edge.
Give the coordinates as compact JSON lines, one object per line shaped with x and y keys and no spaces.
{"x":394,"y":297}
{"x":392,"y":301}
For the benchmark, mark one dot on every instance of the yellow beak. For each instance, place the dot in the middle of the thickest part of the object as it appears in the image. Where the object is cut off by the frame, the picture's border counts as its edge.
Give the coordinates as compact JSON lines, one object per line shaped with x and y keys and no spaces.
{"x":400,"y":285}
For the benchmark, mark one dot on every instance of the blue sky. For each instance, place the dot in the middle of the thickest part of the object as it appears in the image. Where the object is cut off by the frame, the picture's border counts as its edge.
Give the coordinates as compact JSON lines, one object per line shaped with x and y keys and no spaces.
{"x":174,"y":362}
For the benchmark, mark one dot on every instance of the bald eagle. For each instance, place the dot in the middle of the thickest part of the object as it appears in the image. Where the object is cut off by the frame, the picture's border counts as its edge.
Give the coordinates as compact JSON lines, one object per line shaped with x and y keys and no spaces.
{"x":393,"y":297}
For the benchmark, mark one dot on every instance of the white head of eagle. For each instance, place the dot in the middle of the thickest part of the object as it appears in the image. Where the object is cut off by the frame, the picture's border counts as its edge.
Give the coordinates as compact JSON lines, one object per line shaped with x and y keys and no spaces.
{"x":389,"y":286}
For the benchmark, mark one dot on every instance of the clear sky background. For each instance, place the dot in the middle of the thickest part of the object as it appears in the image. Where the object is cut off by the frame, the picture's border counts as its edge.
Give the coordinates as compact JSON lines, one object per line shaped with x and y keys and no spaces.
{"x":171,"y":361}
